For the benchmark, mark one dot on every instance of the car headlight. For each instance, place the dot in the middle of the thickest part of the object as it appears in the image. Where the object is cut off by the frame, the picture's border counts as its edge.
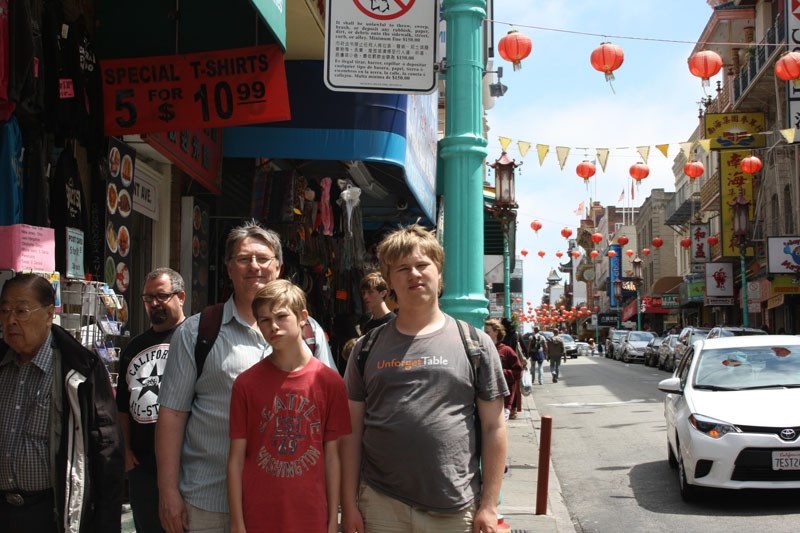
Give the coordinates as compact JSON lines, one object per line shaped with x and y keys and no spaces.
{"x":712,"y":427}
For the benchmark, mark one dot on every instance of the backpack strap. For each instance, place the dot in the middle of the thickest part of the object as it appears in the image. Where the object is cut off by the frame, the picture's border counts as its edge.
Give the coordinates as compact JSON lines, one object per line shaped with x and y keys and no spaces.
{"x":310,"y":338}
{"x":207,"y":333}
{"x":366,"y":345}
{"x":472,"y":347}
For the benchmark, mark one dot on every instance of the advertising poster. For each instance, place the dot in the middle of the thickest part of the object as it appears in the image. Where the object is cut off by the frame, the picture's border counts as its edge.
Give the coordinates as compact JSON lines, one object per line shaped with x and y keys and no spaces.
{"x":719,"y":284}
{"x":783,"y":255}
{"x":194,"y":252}
{"x":119,"y":205}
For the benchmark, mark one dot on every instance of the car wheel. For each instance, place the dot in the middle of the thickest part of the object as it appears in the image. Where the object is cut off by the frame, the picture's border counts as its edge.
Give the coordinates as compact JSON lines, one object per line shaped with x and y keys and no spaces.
{"x":673,"y":462}
{"x":625,"y":357}
{"x":688,"y":491}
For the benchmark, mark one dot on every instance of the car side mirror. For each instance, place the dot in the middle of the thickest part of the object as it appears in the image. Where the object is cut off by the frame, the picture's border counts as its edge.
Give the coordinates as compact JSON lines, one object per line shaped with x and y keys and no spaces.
{"x":671,"y":385}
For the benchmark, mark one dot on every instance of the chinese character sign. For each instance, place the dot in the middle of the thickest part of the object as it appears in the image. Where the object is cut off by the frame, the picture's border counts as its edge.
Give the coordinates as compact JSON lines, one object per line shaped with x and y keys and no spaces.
{"x":700,"y":252}
{"x":733,"y":182}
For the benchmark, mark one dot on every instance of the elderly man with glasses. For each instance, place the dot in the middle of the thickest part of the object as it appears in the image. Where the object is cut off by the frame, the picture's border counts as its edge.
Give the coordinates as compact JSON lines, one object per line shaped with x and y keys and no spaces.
{"x":141,"y":367}
{"x":61,"y":455}
{"x":192,"y":430}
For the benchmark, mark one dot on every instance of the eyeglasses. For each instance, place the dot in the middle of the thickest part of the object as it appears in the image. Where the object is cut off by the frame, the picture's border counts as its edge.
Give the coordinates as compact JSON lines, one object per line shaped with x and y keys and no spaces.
{"x":23,"y":315}
{"x":245,"y":260}
{"x":161,"y":297}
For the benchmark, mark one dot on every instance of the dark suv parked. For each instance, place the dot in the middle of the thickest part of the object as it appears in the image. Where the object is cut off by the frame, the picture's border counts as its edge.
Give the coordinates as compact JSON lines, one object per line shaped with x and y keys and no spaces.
{"x":686,"y":338}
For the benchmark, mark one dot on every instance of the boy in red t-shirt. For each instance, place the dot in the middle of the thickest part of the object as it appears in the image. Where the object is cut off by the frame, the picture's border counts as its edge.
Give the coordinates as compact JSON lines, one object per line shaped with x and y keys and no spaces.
{"x":287,"y":414}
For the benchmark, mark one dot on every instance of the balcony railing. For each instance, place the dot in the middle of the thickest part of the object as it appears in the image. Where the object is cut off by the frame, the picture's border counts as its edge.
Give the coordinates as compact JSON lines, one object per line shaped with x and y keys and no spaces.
{"x":760,"y":56}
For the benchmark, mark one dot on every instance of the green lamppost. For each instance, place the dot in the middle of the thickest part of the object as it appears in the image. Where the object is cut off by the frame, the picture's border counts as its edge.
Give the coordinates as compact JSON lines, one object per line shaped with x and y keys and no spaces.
{"x":504,"y":210}
{"x":637,"y":275}
{"x":462,"y":154}
{"x":741,"y":221}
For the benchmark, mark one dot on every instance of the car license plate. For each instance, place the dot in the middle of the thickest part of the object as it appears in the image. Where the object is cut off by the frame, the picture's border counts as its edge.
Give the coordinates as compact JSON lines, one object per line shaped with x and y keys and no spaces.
{"x":788,"y":460}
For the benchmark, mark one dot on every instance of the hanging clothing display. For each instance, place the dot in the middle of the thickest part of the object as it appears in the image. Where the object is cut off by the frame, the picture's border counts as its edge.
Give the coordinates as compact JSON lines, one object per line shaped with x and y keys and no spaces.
{"x":10,"y":173}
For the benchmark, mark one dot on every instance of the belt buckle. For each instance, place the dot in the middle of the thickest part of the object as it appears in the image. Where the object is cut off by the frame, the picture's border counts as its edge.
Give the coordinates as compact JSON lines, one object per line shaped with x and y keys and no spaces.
{"x":15,"y":499}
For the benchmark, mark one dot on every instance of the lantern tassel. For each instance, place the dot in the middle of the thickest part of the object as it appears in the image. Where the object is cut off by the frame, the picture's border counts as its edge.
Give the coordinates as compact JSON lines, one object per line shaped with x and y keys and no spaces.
{"x":517,"y":65}
{"x":610,"y":78}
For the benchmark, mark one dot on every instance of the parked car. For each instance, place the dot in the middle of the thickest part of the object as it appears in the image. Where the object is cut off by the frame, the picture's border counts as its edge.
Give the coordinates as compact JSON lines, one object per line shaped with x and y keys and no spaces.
{"x":686,"y":338}
{"x":633,"y":345}
{"x":613,"y":342}
{"x":733,"y":331}
{"x":731,"y":414}
{"x":651,"y":351}
{"x":667,"y":356}
{"x":570,"y":346}
{"x":583,"y":348}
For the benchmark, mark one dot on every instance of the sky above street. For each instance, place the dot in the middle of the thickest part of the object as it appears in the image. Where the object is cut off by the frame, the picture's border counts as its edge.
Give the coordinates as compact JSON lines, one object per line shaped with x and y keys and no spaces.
{"x":558,"y":99}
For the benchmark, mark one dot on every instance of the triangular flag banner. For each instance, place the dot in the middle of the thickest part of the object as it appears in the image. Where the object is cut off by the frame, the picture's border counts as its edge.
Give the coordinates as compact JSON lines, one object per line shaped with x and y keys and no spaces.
{"x":705,"y":144}
{"x":686,"y":148}
{"x":644,"y":151}
{"x":523,"y":147}
{"x":788,"y":134}
{"x":542,"y":150}
{"x":562,"y":152}
{"x":602,"y":157}
{"x":504,"y":142}
{"x":663,"y":148}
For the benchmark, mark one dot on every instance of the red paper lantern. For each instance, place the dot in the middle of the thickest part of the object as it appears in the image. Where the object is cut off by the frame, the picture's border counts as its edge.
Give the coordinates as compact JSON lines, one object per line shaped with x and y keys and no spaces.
{"x":594,"y":254}
{"x":788,"y":66}
{"x":645,"y":251}
{"x":566,"y":233}
{"x":559,"y":254}
{"x":536,"y":226}
{"x":705,"y":65}
{"x":713,"y":240}
{"x":585,"y":170}
{"x":597,"y":237}
{"x":576,"y":254}
{"x":629,"y":253}
{"x":514,"y":47}
{"x":694,"y":169}
{"x":611,"y":253}
{"x":658,"y":242}
{"x":623,"y":240}
{"x":541,"y":253}
{"x":607,"y":58}
{"x":639,"y":171}
{"x":750,"y":164}
{"x":524,"y":252}
{"x":686,"y":242}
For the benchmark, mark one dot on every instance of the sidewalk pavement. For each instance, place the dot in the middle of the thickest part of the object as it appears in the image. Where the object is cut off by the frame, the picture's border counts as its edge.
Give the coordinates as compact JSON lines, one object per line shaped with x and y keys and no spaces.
{"x":518,"y":504}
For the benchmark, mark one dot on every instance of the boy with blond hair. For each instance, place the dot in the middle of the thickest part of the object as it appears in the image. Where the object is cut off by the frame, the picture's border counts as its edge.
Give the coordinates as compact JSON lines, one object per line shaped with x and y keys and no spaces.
{"x":287,"y":414}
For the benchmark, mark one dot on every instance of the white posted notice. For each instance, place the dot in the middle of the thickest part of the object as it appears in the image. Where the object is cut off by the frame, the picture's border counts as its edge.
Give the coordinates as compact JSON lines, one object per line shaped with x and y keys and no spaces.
{"x":381,"y":45}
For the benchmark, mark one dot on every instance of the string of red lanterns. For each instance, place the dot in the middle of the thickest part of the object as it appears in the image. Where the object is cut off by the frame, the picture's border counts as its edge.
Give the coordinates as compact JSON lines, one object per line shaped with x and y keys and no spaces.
{"x":514,"y":47}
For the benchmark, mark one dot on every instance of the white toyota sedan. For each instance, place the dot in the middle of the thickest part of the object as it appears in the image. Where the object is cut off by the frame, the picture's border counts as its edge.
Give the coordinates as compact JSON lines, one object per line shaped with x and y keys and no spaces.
{"x":733,"y":414}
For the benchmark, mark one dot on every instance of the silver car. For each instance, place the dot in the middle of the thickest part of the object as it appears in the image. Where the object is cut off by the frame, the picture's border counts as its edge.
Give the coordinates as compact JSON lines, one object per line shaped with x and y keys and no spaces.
{"x":633,"y":345}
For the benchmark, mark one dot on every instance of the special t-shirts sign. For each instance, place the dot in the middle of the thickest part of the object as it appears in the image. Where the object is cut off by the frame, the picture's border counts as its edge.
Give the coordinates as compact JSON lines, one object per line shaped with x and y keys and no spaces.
{"x":204,"y":90}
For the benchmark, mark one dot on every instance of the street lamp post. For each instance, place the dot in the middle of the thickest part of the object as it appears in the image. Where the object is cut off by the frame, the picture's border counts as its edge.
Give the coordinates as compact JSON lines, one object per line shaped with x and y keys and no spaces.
{"x":741,"y":212}
{"x":637,"y":274}
{"x":504,"y":209}
{"x":618,"y":297}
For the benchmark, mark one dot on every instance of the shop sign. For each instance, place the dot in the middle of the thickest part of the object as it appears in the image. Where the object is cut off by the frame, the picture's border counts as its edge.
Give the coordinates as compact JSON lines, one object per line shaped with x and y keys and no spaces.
{"x":786,"y":284}
{"x":695,"y":291}
{"x":775,"y":301}
{"x":670,"y":301}
{"x":196,"y":152}
{"x":719,"y":279}
{"x":420,"y":167}
{"x":204,"y":90}
{"x":733,"y":182}
{"x":783,"y":255}
{"x":145,"y":197}
{"x":735,"y":130}
{"x":792,"y":90}
{"x":717,"y":300}
{"x":608,"y":319}
{"x":27,"y":248}
{"x":274,"y":14}
{"x":700,"y":251}
{"x":75,"y":253}
{"x":119,"y":206}
{"x":381,"y":46}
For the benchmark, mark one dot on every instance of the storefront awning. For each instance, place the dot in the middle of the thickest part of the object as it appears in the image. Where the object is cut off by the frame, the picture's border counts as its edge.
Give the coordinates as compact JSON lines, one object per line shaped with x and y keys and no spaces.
{"x":397,"y":132}
{"x":666,"y":285}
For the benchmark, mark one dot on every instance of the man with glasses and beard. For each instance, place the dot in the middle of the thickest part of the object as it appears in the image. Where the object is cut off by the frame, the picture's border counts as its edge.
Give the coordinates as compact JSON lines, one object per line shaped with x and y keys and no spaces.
{"x":60,"y":445}
{"x":141,"y":366}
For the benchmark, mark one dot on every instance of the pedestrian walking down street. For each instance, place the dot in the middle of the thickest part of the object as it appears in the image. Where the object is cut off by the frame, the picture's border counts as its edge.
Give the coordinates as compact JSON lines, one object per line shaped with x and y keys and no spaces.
{"x":555,"y":352}
{"x":512,"y":366}
{"x":413,"y":401}
{"x":538,"y":347}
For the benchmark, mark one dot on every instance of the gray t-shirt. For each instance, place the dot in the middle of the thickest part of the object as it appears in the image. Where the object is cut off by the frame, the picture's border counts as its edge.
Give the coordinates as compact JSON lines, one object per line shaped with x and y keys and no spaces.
{"x":419,"y":443}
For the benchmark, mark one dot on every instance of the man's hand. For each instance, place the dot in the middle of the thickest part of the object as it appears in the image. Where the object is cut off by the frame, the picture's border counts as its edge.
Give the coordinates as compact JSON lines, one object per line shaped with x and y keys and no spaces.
{"x":485,"y":521}
{"x":172,"y":512}
{"x":131,"y":461}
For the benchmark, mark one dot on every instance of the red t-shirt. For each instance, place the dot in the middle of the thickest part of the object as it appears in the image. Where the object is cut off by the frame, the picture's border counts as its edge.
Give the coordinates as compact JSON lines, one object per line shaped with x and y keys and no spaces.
{"x":286,"y":418}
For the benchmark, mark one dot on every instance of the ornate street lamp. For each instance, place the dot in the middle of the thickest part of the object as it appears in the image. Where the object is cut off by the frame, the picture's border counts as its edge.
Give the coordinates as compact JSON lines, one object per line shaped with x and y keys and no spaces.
{"x":741,"y":231}
{"x":504,"y":210}
{"x":637,"y":275}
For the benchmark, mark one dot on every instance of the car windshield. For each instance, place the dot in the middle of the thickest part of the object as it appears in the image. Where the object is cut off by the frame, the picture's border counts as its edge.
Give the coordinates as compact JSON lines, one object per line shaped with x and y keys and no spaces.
{"x":748,"y":368}
{"x":640,"y":336}
{"x":566,"y":338}
{"x":618,"y":335}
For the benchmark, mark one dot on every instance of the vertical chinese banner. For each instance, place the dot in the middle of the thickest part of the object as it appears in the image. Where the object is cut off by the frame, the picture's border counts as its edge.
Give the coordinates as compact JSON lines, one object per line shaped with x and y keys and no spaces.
{"x":119,"y":205}
{"x":733,"y":182}
{"x":699,"y":252}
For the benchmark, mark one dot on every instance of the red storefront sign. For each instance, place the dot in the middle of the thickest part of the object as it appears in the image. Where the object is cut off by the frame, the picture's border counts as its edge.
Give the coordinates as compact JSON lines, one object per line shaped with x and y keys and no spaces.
{"x":204,"y":90}
{"x":196,"y":152}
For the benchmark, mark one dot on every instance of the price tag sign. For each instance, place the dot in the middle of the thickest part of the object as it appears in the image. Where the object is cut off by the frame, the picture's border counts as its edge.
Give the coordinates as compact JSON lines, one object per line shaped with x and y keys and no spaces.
{"x":204,"y":90}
